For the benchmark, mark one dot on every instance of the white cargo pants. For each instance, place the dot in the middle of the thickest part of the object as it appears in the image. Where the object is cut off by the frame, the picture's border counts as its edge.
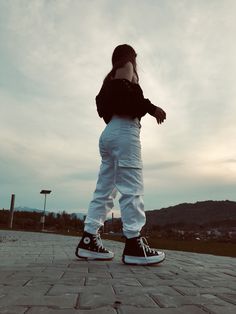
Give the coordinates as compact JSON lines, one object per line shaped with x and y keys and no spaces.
{"x":121,"y":170}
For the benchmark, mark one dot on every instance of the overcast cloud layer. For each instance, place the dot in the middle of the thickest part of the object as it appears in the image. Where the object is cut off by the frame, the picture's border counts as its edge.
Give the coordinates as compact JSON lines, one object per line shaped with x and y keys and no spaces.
{"x":53,"y":58}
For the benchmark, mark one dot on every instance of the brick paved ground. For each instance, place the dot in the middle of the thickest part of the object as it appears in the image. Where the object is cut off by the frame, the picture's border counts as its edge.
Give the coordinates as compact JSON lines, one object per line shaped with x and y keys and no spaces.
{"x":40,"y":274}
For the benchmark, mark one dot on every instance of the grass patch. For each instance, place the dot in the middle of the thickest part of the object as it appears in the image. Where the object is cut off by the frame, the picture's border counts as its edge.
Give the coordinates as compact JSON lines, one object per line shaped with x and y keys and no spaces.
{"x":205,"y":247}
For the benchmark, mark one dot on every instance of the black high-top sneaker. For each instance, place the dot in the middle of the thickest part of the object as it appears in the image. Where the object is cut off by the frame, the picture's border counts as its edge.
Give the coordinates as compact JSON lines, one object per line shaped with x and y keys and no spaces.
{"x":90,"y":247}
{"x":138,"y":252}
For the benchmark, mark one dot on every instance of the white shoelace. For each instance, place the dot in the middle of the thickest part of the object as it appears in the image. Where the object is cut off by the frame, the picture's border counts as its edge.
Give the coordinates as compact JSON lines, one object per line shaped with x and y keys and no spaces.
{"x":98,"y":241}
{"x":146,"y":248}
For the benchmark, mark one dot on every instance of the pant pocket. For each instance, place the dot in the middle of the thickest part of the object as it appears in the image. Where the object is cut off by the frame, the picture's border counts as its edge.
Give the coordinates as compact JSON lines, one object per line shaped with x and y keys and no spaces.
{"x":129,"y":177}
{"x":128,"y":163}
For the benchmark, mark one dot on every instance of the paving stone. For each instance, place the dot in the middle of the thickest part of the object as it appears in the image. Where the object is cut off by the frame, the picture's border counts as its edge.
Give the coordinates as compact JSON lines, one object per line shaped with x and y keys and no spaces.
{"x":102,"y":310}
{"x":93,"y":281}
{"x":72,"y":281}
{"x":68,"y":301}
{"x":189,"y":309}
{"x":229,"y":297}
{"x":96,"y":300}
{"x":78,"y":264}
{"x":79,"y":271}
{"x":98,"y":267}
{"x":215,"y":283}
{"x":120,"y":268}
{"x":201,"y":291}
{"x":142,"y":301}
{"x":6,"y":274}
{"x":177,"y":301}
{"x":96,"y":296}
{"x":127,"y":309}
{"x":47,"y":310}
{"x":101,"y":275}
{"x":217,"y":309}
{"x":155,"y":281}
{"x":13,"y":282}
{"x":230,"y":273}
{"x":25,"y":290}
{"x":62,"y":289}
{"x":123,"y":289}
{"x":131,"y":275}
{"x":13,"y":310}
{"x":40,"y":281}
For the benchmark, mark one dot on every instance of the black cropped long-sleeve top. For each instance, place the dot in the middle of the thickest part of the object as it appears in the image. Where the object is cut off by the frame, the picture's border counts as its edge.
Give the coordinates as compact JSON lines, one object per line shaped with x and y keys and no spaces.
{"x":121,"y":97}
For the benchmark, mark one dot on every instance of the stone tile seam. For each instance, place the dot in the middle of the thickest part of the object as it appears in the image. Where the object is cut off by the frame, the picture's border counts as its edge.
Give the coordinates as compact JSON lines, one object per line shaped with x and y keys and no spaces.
{"x":225,"y":299}
{"x":228,"y":274}
{"x":28,"y":309}
{"x":77,"y":303}
{"x":114,"y":306}
{"x":177,"y":290}
{"x":197,"y":286}
{"x":86,"y":281}
{"x":204,"y":308}
{"x":62,"y":275}
{"x":140,"y":283}
{"x":49,"y":289}
{"x":27,"y":281}
{"x":156,"y":301}
{"x":113,"y":289}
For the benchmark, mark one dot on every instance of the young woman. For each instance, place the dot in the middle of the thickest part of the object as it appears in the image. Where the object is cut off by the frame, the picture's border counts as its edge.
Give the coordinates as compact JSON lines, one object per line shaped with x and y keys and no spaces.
{"x":121,"y":104}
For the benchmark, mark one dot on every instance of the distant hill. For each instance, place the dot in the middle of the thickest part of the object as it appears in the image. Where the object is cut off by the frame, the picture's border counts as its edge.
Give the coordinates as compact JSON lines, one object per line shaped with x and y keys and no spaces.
{"x":199,"y":213}
{"x":28,"y":209}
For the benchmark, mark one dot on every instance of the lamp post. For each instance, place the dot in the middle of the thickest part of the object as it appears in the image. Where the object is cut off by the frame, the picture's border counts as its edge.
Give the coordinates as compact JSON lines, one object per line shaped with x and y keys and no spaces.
{"x":45,"y":192}
{"x":12,"y":210}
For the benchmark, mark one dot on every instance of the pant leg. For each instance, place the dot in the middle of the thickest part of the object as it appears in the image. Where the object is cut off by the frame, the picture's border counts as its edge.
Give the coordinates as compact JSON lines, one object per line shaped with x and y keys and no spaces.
{"x":105,"y":192}
{"x":129,"y":180}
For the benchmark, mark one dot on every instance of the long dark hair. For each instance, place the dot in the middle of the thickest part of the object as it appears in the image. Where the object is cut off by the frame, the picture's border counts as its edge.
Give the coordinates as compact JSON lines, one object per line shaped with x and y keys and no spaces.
{"x":121,"y":55}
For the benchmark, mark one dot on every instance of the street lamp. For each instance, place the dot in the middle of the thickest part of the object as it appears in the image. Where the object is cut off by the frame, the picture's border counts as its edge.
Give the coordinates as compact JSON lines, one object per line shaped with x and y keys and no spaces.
{"x":45,"y":192}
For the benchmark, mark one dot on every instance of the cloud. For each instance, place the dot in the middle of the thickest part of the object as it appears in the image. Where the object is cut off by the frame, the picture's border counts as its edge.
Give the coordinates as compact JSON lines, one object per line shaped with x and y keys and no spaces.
{"x":163,"y":165}
{"x":54,"y":56}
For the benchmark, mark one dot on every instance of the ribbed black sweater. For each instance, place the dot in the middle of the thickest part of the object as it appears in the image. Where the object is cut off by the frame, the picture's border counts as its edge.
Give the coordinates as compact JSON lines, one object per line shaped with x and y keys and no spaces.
{"x":121,"y":97}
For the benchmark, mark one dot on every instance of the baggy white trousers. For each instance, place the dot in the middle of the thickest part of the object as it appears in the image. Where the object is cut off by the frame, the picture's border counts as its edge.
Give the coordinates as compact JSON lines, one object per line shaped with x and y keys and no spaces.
{"x":121,"y":170}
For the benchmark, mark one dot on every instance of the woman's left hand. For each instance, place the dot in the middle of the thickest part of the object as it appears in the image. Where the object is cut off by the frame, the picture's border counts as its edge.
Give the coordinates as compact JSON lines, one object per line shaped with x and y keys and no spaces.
{"x":160,"y":115}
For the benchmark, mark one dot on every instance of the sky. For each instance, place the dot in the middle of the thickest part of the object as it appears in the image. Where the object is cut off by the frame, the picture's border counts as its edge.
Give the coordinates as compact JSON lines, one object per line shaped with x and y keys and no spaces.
{"x":54,"y":55}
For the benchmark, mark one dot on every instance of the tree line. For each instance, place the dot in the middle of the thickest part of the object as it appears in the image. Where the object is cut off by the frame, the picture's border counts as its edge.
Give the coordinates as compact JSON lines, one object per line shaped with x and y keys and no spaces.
{"x":31,"y":221}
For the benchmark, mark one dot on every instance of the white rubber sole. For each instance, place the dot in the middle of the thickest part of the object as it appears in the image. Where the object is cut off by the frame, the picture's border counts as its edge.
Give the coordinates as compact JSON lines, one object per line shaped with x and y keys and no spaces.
{"x":136,"y":260}
{"x":82,"y":253}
